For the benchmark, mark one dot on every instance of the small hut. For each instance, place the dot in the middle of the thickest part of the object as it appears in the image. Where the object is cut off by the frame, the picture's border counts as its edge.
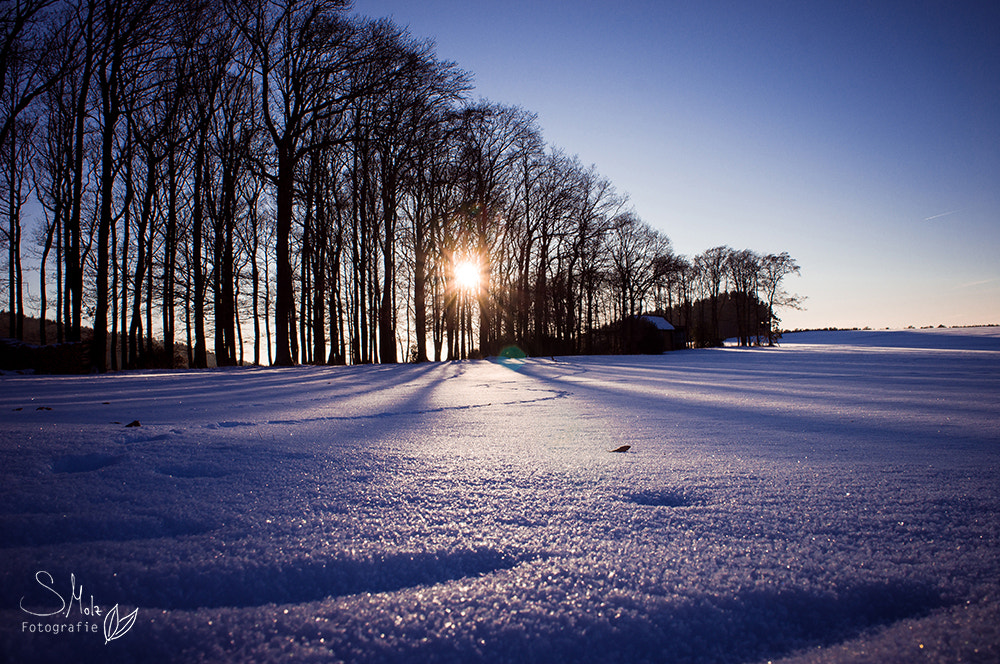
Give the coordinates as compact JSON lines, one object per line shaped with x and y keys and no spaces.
{"x":673,"y":338}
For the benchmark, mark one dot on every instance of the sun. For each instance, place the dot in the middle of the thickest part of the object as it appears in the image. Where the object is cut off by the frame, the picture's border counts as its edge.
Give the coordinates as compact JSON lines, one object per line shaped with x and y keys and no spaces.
{"x":467,"y":275}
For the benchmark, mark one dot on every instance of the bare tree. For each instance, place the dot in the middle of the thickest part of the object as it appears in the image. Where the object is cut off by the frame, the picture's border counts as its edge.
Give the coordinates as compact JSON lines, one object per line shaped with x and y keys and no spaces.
{"x":550,"y":184}
{"x":303,"y":53}
{"x":53,"y":187}
{"x":595,"y":204}
{"x":31,"y":60}
{"x":634,"y":248}
{"x":405,"y":110}
{"x":743,"y":271}
{"x":16,"y":154}
{"x":126,"y":28}
{"x":30,"y":39}
{"x":492,"y":140}
{"x":711,"y":269}
{"x":774,"y":268}
{"x":234,"y":137}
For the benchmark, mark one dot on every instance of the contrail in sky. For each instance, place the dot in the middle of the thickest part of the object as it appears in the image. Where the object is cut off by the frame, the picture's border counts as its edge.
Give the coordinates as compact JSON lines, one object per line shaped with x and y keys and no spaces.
{"x":972,"y":284}
{"x":943,"y":214}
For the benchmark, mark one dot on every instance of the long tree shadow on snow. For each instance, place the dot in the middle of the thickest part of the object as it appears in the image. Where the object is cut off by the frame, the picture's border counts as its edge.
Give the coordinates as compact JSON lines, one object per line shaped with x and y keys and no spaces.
{"x":790,"y":412}
{"x":755,"y":625}
{"x":244,"y":583}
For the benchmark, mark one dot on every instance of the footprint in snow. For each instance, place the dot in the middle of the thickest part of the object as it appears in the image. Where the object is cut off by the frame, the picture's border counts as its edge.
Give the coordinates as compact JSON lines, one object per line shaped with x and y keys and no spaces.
{"x":84,"y":463}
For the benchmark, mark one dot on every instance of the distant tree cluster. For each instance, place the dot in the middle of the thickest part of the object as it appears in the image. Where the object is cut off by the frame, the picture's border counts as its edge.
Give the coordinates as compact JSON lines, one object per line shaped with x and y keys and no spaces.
{"x":726,"y":293}
{"x":283,"y":169}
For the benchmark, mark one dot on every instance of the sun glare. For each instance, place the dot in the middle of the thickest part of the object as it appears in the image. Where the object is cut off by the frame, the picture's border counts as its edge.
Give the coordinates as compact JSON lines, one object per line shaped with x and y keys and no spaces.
{"x":467,"y":275}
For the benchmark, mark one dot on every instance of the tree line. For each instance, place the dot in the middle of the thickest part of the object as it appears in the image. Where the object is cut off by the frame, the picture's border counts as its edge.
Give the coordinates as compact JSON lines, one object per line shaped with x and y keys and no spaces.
{"x":310,"y":179}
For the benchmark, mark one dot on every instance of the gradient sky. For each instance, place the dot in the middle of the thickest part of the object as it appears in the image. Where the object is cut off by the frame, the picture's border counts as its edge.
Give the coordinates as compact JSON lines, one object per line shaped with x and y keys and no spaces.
{"x":861,"y":137}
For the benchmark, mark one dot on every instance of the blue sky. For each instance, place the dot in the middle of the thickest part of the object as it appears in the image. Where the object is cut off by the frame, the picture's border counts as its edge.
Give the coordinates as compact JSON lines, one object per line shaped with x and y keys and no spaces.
{"x":861,"y":137}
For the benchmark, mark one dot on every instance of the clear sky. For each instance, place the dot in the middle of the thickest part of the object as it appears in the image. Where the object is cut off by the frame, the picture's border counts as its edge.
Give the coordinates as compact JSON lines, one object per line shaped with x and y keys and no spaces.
{"x":861,"y":137}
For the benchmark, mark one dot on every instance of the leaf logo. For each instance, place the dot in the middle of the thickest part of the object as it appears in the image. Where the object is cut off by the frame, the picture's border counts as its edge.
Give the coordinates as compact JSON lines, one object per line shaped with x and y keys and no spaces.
{"x":114,"y":627}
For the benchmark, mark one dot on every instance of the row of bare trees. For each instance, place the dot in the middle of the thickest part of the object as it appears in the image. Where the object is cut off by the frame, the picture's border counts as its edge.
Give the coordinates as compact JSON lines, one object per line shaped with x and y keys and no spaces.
{"x":284,"y":170}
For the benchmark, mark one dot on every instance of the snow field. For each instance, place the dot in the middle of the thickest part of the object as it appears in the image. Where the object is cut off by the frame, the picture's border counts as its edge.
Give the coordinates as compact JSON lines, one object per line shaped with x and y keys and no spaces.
{"x":831,"y":500}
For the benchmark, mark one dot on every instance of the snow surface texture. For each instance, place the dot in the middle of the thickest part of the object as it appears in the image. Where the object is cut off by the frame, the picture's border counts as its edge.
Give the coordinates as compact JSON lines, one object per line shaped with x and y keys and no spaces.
{"x":831,"y":500}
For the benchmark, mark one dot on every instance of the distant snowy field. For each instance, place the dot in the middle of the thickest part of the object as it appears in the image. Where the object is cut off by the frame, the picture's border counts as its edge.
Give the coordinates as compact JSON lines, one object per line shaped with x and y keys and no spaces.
{"x":836,"y":499}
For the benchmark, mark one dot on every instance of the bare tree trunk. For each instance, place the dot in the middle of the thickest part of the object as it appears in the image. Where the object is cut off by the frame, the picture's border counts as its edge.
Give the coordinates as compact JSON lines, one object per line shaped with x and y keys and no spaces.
{"x":387,"y":310}
{"x":187,"y":306}
{"x":305,"y":288}
{"x":110,"y":87}
{"x":319,"y":280}
{"x":52,"y":233}
{"x":255,"y":281}
{"x":198,"y":274}
{"x":135,"y":331}
{"x":229,"y":276}
{"x":169,"y":266}
{"x":284,"y":306}
{"x":60,"y":295}
{"x":223,"y":259}
{"x":15,"y":311}
{"x":149,"y":278}
{"x":127,"y":224}
{"x":267,"y":307}
{"x":74,"y":266}
{"x":420,"y":287}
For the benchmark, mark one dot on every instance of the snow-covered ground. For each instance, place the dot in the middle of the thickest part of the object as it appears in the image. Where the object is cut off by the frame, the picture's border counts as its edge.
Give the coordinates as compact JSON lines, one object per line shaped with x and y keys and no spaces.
{"x":835,"y":499}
